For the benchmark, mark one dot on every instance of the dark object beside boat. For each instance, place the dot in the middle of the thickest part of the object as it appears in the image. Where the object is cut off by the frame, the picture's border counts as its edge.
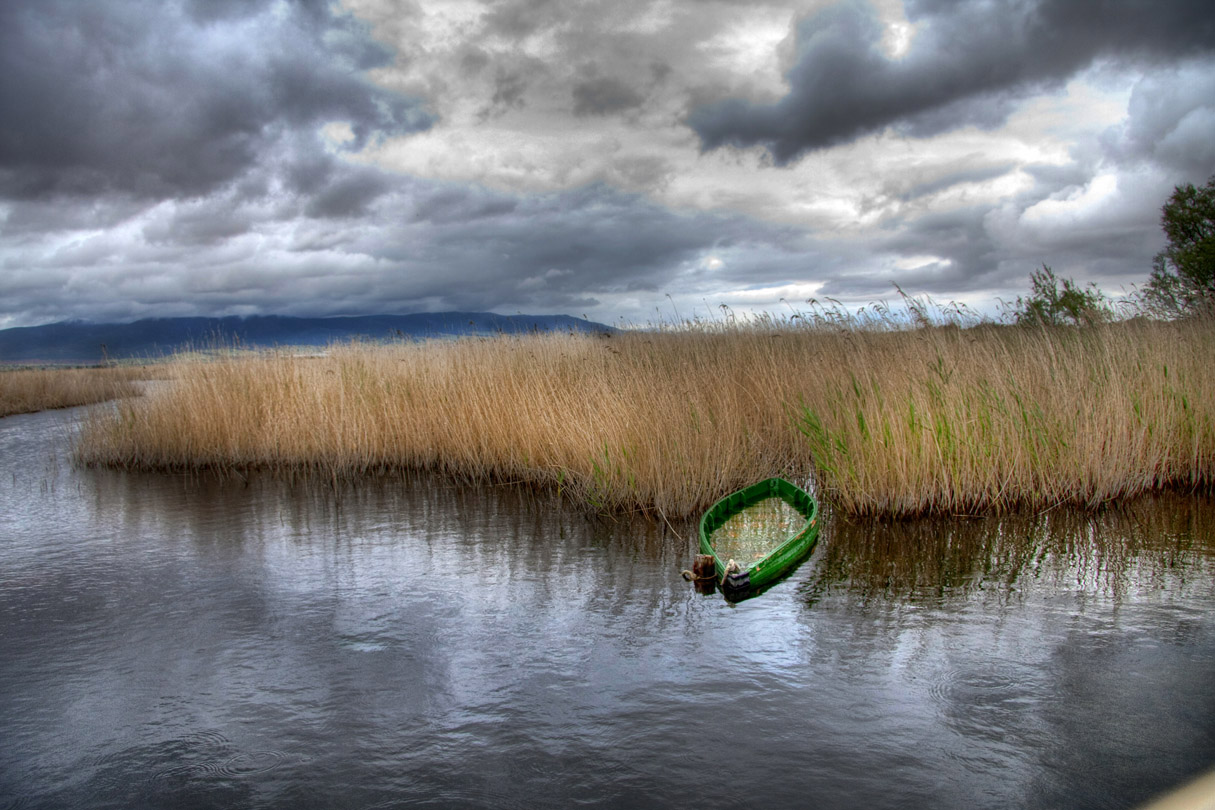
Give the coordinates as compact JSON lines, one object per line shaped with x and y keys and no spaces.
{"x":772,"y":525}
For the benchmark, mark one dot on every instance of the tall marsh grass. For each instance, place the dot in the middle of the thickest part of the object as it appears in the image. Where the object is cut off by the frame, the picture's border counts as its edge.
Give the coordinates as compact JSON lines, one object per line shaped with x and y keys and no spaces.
{"x":30,"y":390}
{"x":887,"y":420}
{"x":978,"y":420}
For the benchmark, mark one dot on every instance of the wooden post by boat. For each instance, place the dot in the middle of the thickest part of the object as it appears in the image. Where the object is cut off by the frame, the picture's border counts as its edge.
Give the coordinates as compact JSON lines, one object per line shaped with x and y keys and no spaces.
{"x":703,"y":574}
{"x":702,"y":567}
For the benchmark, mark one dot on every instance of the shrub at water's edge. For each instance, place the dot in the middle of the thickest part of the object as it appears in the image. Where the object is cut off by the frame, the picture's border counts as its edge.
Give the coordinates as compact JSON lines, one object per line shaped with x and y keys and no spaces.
{"x":889,"y":421}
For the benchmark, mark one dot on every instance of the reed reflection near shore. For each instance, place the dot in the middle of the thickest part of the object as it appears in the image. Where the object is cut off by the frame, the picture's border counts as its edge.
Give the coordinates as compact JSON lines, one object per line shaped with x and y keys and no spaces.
{"x":1151,"y":543}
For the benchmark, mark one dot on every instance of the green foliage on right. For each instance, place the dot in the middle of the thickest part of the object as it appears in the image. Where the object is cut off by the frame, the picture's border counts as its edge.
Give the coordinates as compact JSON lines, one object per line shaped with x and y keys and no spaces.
{"x":1182,"y":281}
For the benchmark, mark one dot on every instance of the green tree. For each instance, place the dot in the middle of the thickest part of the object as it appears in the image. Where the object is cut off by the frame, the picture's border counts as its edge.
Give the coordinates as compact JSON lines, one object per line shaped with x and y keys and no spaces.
{"x":1183,"y":274}
{"x":1055,"y":301}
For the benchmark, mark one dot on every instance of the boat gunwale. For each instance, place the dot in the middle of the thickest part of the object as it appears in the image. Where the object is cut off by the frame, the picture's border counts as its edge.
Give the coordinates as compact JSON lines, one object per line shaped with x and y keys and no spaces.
{"x":784,"y":555}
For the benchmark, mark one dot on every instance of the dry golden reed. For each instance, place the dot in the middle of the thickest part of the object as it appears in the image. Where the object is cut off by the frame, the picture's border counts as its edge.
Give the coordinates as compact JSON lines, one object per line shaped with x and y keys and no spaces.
{"x":884,"y":420}
{"x":30,"y":390}
{"x":980,"y":420}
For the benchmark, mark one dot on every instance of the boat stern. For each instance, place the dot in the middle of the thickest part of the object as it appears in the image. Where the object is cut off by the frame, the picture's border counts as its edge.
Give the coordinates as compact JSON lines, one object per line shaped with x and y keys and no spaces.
{"x":736,"y":581}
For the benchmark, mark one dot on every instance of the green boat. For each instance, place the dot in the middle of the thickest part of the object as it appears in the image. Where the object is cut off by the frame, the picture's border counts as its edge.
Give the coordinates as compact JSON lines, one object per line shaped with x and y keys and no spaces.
{"x":757,"y":534}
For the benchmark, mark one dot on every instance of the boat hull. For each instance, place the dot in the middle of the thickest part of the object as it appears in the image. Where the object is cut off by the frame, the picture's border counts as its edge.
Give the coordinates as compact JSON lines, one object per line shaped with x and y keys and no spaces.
{"x":786,"y":550}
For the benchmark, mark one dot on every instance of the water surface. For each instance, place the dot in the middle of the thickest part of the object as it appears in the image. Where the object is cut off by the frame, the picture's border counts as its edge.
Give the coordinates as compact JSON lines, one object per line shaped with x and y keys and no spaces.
{"x":175,"y":641}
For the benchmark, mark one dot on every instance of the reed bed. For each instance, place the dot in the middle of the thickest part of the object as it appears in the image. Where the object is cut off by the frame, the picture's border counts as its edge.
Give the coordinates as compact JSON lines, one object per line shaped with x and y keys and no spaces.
{"x":991,"y":418}
{"x":886,"y":420}
{"x":635,"y":422}
{"x":30,"y":390}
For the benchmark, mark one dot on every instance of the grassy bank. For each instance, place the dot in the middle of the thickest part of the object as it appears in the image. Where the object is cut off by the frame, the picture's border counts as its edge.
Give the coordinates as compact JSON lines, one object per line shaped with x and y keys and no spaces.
{"x":893,"y":422}
{"x":30,"y":390}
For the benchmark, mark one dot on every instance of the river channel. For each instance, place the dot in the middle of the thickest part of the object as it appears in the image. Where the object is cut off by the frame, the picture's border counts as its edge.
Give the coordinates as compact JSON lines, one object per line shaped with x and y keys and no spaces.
{"x":187,"y":642}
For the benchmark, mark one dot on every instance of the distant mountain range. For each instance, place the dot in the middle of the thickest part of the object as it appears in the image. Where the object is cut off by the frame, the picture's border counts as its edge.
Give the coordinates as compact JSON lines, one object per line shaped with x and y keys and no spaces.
{"x":79,"y":342}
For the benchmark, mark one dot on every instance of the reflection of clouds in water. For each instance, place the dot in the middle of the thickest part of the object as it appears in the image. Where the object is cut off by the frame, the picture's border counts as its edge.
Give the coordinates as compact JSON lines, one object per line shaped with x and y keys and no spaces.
{"x":416,"y":574}
{"x":412,"y":639}
{"x":1110,"y":724}
{"x":1031,"y":650}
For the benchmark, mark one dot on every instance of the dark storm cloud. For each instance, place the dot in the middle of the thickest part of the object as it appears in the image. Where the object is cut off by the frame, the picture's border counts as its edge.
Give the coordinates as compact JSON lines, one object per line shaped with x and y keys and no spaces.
{"x":509,"y":89}
{"x":1170,"y":121}
{"x":912,"y":184}
{"x":965,"y":258}
{"x":204,"y":222}
{"x":519,"y":19}
{"x":604,"y":96}
{"x":455,"y":205}
{"x":471,"y":248}
{"x":554,"y":251}
{"x":968,"y":64}
{"x":171,"y":100}
{"x":349,"y":195}
{"x":420,"y":245}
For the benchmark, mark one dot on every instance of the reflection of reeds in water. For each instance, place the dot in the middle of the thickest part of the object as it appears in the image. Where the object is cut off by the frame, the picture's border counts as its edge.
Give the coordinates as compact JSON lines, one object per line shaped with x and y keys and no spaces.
{"x":754,"y":532}
{"x":904,"y":422}
{"x":1164,"y":541}
{"x":30,"y":390}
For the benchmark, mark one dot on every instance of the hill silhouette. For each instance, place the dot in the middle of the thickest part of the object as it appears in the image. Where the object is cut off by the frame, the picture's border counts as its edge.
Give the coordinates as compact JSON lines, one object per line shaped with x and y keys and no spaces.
{"x":80,"y":342}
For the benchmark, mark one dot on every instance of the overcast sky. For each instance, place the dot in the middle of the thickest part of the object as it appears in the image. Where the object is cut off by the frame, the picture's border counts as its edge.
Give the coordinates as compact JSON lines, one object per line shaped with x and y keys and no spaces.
{"x":620,"y":160}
